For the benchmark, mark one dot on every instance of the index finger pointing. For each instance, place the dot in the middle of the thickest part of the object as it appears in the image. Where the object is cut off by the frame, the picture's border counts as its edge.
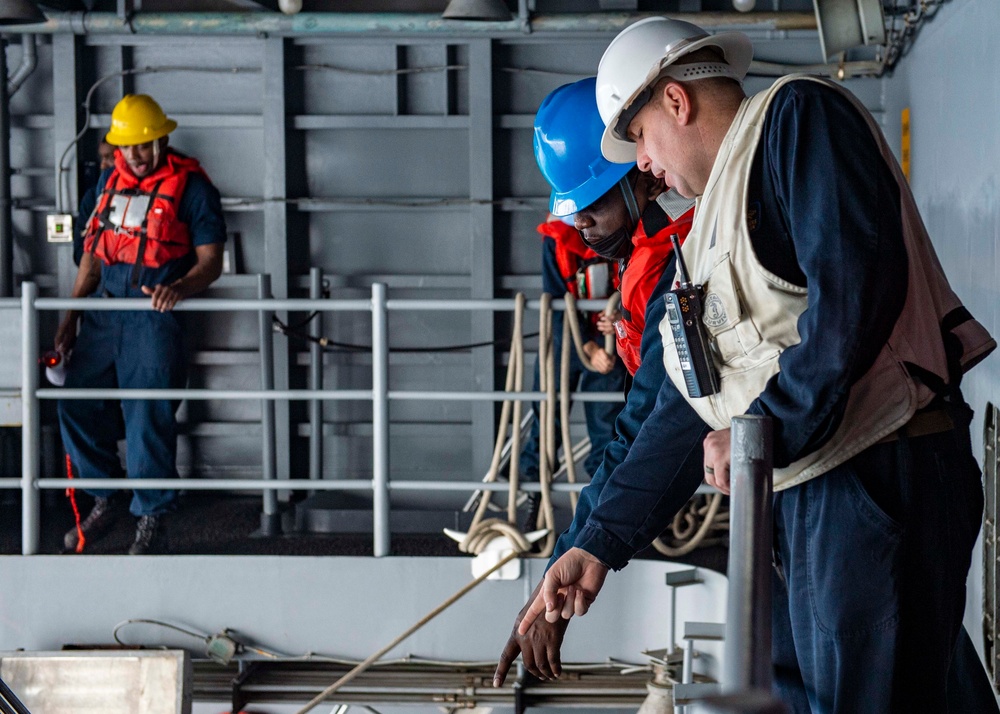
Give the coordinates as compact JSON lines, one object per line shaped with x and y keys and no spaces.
{"x":531,"y":614}
{"x":507,"y":657}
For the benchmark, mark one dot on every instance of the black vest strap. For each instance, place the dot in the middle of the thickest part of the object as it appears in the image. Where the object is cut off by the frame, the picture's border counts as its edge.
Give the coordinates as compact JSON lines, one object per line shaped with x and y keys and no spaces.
{"x":102,"y":217}
{"x":140,"y":253}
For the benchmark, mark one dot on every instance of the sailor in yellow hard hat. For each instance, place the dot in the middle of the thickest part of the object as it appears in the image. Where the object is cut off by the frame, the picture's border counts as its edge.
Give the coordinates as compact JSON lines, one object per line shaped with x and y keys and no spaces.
{"x":155,"y":230}
{"x":139,"y":128}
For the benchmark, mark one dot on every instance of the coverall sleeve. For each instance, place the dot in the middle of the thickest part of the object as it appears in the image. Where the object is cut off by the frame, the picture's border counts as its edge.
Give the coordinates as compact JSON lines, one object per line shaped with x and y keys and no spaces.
{"x":554,"y":284}
{"x":87,"y":204}
{"x":640,"y":407}
{"x":201,"y":210}
{"x":840,"y":204}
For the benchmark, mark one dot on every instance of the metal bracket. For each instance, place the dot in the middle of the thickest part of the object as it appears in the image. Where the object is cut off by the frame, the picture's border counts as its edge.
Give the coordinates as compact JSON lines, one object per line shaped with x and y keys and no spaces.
{"x":991,"y":568}
{"x":247,"y":670}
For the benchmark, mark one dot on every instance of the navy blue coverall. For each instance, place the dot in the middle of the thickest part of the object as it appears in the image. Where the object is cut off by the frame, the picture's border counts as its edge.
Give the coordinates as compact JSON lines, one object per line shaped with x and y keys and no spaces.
{"x":135,"y":350}
{"x":870,"y":591}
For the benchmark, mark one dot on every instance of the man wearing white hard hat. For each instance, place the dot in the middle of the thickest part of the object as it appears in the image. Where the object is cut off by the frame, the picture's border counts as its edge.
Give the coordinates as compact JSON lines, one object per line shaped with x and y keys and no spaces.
{"x":831,"y":315}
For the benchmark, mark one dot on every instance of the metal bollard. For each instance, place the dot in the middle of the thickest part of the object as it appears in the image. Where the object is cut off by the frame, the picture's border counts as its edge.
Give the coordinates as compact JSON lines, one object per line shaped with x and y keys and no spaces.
{"x":747,"y":662}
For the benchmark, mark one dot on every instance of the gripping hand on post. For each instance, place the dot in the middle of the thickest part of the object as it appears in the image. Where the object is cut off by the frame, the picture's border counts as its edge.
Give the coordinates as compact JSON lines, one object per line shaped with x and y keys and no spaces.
{"x":717,"y":458}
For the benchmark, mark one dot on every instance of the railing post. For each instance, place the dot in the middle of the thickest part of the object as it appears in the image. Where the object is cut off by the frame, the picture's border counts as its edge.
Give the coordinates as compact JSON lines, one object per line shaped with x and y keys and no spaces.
{"x":380,"y":420}
{"x":30,"y":426}
{"x":316,"y":381}
{"x":747,"y":664}
{"x":270,"y":520}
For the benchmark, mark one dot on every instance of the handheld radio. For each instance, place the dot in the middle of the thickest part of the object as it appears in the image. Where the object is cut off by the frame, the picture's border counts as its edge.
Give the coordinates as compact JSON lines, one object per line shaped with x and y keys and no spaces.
{"x":684,"y":312}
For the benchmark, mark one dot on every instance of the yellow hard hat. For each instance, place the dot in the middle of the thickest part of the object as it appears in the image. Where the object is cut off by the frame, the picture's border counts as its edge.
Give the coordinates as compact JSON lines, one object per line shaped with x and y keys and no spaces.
{"x":138,"y":119}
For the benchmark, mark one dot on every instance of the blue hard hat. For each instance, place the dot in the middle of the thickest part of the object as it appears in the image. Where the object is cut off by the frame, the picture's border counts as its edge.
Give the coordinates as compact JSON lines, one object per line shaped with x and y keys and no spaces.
{"x":568,"y":130}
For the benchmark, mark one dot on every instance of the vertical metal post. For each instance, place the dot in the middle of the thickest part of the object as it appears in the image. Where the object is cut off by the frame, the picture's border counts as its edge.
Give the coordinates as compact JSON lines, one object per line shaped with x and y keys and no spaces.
{"x":66,"y":102}
{"x":747,"y":664}
{"x":481,"y":244}
{"x":30,"y":427}
{"x":316,"y":381}
{"x":672,"y":631}
{"x":276,"y":234}
{"x":687,"y":664}
{"x":270,"y":523}
{"x":991,"y":564}
{"x":6,"y":220}
{"x":380,"y":420}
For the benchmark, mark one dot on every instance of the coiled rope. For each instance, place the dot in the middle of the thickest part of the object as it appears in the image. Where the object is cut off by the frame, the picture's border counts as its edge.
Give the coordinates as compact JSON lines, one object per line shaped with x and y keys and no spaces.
{"x":483,"y":530}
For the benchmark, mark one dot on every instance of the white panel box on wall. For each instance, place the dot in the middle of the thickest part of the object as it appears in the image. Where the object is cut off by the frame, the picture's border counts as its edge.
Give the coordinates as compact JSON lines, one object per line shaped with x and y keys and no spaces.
{"x":100,"y":682}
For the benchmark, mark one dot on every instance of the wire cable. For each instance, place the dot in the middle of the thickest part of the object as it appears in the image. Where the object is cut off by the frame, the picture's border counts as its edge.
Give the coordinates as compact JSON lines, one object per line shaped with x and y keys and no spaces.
{"x":352,"y":347}
{"x":62,"y":168}
{"x":159,"y":623}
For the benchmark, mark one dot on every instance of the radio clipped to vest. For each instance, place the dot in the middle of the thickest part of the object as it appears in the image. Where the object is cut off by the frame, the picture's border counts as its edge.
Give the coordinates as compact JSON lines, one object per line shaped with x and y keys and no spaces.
{"x":593,"y":281}
{"x":684,"y":313}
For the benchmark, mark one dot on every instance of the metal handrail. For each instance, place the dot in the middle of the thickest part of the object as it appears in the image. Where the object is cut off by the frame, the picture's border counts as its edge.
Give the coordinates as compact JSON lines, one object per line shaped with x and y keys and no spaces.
{"x":31,"y":483}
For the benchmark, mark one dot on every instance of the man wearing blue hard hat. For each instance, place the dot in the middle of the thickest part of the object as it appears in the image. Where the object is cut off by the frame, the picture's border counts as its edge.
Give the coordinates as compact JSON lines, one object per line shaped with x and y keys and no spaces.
{"x":627,"y":216}
{"x":587,"y":271}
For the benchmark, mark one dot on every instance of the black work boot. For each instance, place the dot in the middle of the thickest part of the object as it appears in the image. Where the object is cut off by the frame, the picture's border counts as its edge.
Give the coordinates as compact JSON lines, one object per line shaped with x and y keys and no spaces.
{"x":98,"y":522}
{"x":150,"y":537}
{"x":534,"y":502}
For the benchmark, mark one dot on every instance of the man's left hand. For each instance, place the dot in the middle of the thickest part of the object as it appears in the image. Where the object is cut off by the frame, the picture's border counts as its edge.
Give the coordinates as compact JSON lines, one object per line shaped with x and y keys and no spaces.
{"x":569,"y":588}
{"x":164,"y":297}
{"x":599,"y":359}
{"x":717,"y":459}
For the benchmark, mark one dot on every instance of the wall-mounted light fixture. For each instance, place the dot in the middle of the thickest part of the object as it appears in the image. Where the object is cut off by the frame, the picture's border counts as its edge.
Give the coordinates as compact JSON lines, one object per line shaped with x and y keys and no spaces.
{"x":493,"y":10}
{"x":19,"y":12}
{"x":844,"y":24}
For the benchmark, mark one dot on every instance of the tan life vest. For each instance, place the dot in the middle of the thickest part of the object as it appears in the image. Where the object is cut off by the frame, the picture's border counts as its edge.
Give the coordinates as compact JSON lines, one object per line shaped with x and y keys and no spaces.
{"x":751,"y":314}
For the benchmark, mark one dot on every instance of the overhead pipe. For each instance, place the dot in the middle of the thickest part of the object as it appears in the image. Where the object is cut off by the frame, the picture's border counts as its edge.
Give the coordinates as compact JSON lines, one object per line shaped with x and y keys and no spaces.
{"x":29,"y":60}
{"x":390,"y":24}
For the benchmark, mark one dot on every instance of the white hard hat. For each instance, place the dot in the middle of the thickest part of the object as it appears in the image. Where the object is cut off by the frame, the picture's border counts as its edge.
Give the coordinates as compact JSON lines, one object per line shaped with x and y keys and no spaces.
{"x":643,"y":52}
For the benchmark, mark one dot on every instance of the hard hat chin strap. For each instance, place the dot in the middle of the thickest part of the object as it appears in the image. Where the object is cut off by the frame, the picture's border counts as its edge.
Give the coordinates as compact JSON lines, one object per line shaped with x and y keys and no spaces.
{"x":628,"y":193}
{"x":156,"y":154}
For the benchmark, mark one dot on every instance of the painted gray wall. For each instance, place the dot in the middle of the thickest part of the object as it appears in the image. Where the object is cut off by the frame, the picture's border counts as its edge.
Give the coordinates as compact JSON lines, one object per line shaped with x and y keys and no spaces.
{"x":342,"y":607}
{"x":951,"y":84}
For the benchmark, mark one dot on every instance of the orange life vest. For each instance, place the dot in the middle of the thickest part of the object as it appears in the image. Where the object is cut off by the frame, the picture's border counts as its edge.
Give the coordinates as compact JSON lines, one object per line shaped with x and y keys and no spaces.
{"x":573,"y":256}
{"x":650,"y":255}
{"x":135,"y":220}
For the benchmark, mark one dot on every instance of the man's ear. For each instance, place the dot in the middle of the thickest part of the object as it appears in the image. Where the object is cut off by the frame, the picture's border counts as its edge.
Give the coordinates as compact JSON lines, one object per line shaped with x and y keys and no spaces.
{"x":676,"y":102}
{"x":163,"y":142}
